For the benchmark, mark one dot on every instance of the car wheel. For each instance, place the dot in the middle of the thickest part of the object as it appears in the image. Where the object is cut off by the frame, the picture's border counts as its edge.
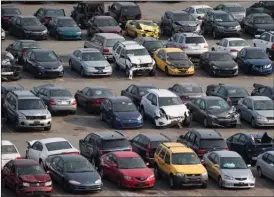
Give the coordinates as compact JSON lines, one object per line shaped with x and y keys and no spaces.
{"x":142,"y":111}
{"x":205,"y":122}
{"x":220,"y":182}
{"x":82,"y":72}
{"x":127,"y":72}
{"x":166,"y":71}
{"x":204,"y":185}
{"x":117,"y":67}
{"x":119,"y":186}
{"x":155,"y":124}
{"x":253,"y":123}
{"x":4,"y":183}
{"x":6,"y":118}
{"x":17,"y":190}
{"x":157,"y":173}
{"x":17,"y":126}
{"x":187,"y":121}
{"x":65,"y":186}
{"x":22,"y":35}
{"x":152,"y":72}
{"x":239,"y":112}
{"x":102,"y":117}
{"x":172,"y":183}
{"x":260,"y":173}
{"x":211,"y":73}
{"x":101,"y":172}
{"x":212,"y":49}
{"x":70,"y":65}
{"x":47,"y":128}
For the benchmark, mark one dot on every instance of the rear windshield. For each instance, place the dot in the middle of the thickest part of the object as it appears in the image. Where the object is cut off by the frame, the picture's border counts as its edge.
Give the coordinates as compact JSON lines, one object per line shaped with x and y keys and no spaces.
{"x":183,"y":17}
{"x":56,"y":93}
{"x":203,"y":10}
{"x":111,"y":42}
{"x":11,"y":11}
{"x":224,"y":18}
{"x":235,"y":9}
{"x":58,"y":145}
{"x":192,"y":89}
{"x":8,"y":149}
{"x":212,"y":143}
{"x":237,"y":92}
{"x":131,"y":10}
{"x":30,"y":104}
{"x":115,"y":144}
{"x":195,"y":40}
{"x":29,"y":45}
{"x":54,"y":13}
{"x":238,"y":43}
{"x":101,"y":92}
{"x":30,"y":22}
{"x":150,"y":45}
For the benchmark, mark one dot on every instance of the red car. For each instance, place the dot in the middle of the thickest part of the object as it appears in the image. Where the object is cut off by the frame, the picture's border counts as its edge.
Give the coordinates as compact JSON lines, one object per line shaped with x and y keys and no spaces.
{"x":26,"y":177}
{"x":127,"y":169}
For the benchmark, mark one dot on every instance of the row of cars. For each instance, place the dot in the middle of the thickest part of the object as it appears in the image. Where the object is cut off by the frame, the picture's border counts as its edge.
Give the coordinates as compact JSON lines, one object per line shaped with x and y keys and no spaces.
{"x":110,"y":155}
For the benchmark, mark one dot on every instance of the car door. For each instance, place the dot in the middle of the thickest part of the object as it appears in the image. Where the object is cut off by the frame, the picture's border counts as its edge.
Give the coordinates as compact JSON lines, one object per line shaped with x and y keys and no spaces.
{"x":209,"y":164}
{"x":194,"y":109}
{"x":161,"y":161}
{"x":236,"y":143}
{"x":53,"y":169}
{"x":8,"y":173}
{"x":60,"y":171}
{"x":172,"y":42}
{"x":122,"y":59}
{"x":127,"y":92}
{"x":184,"y":139}
{"x":221,"y":92}
{"x":249,"y":23}
{"x":220,"y":46}
{"x":260,"y":42}
{"x":216,"y":169}
{"x":34,"y":151}
{"x":11,"y":108}
{"x":134,"y":96}
{"x":116,"y":55}
{"x":84,"y":146}
{"x":113,"y":11}
{"x":109,"y":112}
{"x":78,"y":61}
{"x":164,"y":22}
{"x":153,"y":106}
{"x":191,"y":139}
{"x":135,"y":142}
{"x":73,"y":58}
{"x":201,"y":112}
{"x":167,"y":166}
{"x":81,"y":96}
{"x":161,"y":60}
{"x":206,"y":62}
{"x":269,"y":167}
{"x":249,"y":110}
{"x":31,"y":65}
{"x":240,"y":59}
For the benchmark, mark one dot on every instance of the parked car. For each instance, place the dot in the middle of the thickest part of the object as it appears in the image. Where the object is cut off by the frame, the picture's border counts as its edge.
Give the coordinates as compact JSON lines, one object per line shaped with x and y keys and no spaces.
{"x":261,"y":7}
{"x":21,"y":174}
{"x":45,"y":15}
{"x":266,"y":42}
{"x":89,"y":62}
{"x":264,"y":165}
{"x":231,"y":93}
{"x":145,"y":145}
{"x":263,"y":90}
{"x":106,"y":141}
{"x":151,"y":44}
{"x":90,"y":98}
{"x":43,"y":63}
{"x":178,"y":21}
{"x":258,"y":110}
{"x":9,"y":152}
{"x":27,"y":27}
{"x":10,"y":71}
{"x":229,"y":169}
{"x":3,"y":34}
{"x":103,"y":24}
{"x":237,"y":10}
{"x":198,"y":11}
{"x":219,"y":64}
{"x":174,"y":61}
{"x":178,"y":164}
{"x":64,"y":28}
{"x":249,"y":146}
{"x":213,"y":111}
{"x":142,"y":28}
{"x":254,"y":60}
{"x":203,"y":141}
{"x":7,"y":12}
{"x":5,"y":89}
{"x":74,"y":173}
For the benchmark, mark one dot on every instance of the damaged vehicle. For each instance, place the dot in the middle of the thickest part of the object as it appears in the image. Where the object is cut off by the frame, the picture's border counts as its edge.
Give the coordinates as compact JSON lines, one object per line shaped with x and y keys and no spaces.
{"x":10,"y":71}
{"x":165,"y":108}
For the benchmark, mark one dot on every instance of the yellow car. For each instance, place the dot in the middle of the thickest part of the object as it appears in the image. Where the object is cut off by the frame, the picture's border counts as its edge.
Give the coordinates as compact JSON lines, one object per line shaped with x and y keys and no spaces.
{"x":180,"y":165}
{"x":173,"y":61}
{"x":142,"y":28}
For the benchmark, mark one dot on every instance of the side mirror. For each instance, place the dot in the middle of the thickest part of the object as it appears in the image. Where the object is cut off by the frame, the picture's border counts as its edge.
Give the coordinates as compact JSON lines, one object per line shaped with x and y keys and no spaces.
{"x":249,"y":166}
{"x":147,"y":164}
{"x":216,"y":166}
{"x":257,"y":36}
{"x":114,"y":165}
{"x":48,"y":172}
{"x":81,"y":141}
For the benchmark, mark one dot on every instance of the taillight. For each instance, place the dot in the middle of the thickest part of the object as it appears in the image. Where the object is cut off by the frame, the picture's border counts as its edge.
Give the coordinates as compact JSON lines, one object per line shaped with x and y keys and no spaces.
{"x":6,"y":18}
{"x":202,"y":151}
{"x":122,"y":18}
{"x":228,"y":100}
{"x":148,"y":149}
{"x":74,"y":102}
{"x":184,"y":47}
{"x":47,"y":19}
{"x":183,"y":98}
{"x":272,"y":47}
{"x":206,"y":46}
{"x":23,"y":51}
{"x":96,"y":101}
{"x":18,"y":158}
{"x":106,"y":50}
{"x":52,"y":102}
{"x":227,"y":149}
{"x":101,"y":152}
{"x":199,"y":18}
{"x":233,"y":50}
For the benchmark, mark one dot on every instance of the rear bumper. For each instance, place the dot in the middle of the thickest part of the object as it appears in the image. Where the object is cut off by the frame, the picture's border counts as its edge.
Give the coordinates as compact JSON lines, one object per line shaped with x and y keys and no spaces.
{"x":23,"y":123}
{"x":196,"y":52}
{"x":62,"y":108}
{"x":228,"y":33}
{"x":96,"y":73}
{"x":162,"y":122}
{"x":51,"y":74}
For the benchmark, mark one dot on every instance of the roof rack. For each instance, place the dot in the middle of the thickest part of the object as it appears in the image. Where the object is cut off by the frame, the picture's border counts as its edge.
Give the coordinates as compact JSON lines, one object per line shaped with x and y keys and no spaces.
{"x":165,"y":136}
{"x":119,"y":133}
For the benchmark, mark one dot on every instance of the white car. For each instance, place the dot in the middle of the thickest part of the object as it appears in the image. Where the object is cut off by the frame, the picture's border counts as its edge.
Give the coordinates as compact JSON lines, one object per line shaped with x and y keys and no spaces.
{"x":9,"y":152}
{"x":266,"y":42}
{"x":39,"y":150}
{"x":198,"y":11}
{"x":3,"y":34}
{"x":165,"y":108}
{"x":231,"y":45}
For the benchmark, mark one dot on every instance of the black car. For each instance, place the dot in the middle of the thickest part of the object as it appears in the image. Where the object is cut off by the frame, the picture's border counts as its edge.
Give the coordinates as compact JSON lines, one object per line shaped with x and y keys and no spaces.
{"x":145,"y":145}
{"x":178,"y":21}
{"x":261,"y":7}
{"x":124,"y":11}
{"x":256,"y":24}
{"x":203,"y":141}
{"x":263,"y":90}
{"x":5,"y":89}
{"x":187,"y":91}
{"x":28,"y":27}
{"x":151,"y":44}
{"x":220,"y":24}
{"x":7,"y":12}
{"x":136,"y":91}
{"x":98,"y":143}
{"x":20,"y":47}
{"x":218,"y":64}
{"x":213,"y":111}
{"x":73,"y":173}
{"x":231,"y":93}
{"x":249,"y":146}
{"x":43,"y":63}
{"x":46,"y":14}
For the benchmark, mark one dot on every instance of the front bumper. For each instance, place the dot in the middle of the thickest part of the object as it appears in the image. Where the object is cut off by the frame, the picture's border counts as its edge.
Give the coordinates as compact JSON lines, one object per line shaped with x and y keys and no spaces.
{"x":223,"y":122}
{"x":87,"y":188}
{"x":24,"y":123}
{"x":186,"y":180}
{"x":141,"y":70}
{"x":238,"y":184}
{"x":55,"y":108}
{"x":259,"y":70}
{"x":70,"y":36}
{"x":51,"y":73}
{"x":163,"y":121}
{"x":225,"y":73}
{"x":266,"y":123}
{"x":227,"y":32}
{"x":149,"y":34}
{"x":138,"y":184}
{"x":181,"y":71}
{"x":36,"y":35}
{"x":34,"y":191}
{"x":128,"y":124}
{"x":98,"y":72}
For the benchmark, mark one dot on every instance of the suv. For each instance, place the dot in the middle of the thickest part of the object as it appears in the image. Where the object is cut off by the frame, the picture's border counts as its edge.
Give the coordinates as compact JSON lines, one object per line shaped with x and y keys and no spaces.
{"x":180,"y":165}
{"x":98,"y":143}
{"x":104,"y":42}
{"x":133,"y":58}
{"x":145,"y":145}
{"x":46,"y":14}
{"x":203,"y":141}
{"x":266,"y":42}
{"x":124,"y":11}
{"x":261,"y":7}
{"x":25,"y":110}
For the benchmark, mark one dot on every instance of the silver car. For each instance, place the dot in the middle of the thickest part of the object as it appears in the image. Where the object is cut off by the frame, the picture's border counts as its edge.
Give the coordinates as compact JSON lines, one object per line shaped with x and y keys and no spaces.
{"x":258,"y":110}
{"x":228,"y":169}
{"x":237,"y":11}
{"x":89,"y":62}
{"x":265,"y":165}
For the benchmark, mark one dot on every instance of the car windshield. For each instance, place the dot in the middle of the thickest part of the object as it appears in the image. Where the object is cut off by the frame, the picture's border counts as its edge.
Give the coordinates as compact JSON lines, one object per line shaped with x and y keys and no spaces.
{"x":224,"y":18}
{"x":131,"y":163}
{"x":220,"y":57}
{"x":8,"y":149}
{"x":194,"y":40}
{"x":238,"y":43}
{"x":235,"y":9}
{"x":192,"y":89}
{"x":11,"y":11}
{"x":46,"y":56}
{"x":236,"y":92}
{"x":263,"y":20}
{"x":130,"y":10}
{"x":78,"y":166}
{"x":29,"y":45}
{"x":216,"y":104}
{"x":124,"y":107}
{"x":256,"y":54}
{"x":148,"y":23}
{"x":111,"y":42}
{"x":29,"y":170}
{"x":264,"y":105}
{"x":232,"y":163}
{"x":97,"y":56}
{"x":203,"y":10}
{"x":213,"y":143}
{"x":30,"y":22}
{"x":30,"y":104}
{"x":137,"y":52}
{"x":101,"y":92}
{"x":167,"y":101}
{"x":60,"y":145}
{"x":60,"y":93}
{"x":66,"y":23}
{"x":114,"y":144}
{"x":144,"y":90}
{"x":185,"y":159}
{"x":106,"y":22}
{"x":183,"y":17}
{"x":176,"y":56}
{"x":54,"y":13}
{"x":150,"y":45}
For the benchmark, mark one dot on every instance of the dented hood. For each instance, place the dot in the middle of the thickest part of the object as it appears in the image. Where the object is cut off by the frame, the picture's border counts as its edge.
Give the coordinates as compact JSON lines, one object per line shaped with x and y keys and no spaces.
{"x":175,"y":110}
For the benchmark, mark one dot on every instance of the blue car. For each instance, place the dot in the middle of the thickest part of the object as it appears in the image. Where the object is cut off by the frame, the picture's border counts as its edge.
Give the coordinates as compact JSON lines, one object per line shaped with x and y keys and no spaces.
{"x":64,"y":28}
{"x":254,"y":60}
{"x":121,"y":113}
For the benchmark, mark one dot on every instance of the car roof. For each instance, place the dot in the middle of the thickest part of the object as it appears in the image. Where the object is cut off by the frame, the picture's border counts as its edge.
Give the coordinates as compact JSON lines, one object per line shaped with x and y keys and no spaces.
{"x":200,"y":6}
{"x":6,"y":143}
{"x":162,"y":92}
{"x":231,"y":86}
{"x":178,"y":12}
{"x":88,"y":50}
{"x":42,"y":50}
{"x":176,"y":147}
{"x":270,"y":152}
{"x":208,"y":98}
{"x":232,"y":5}
{"x":190,"y":35}
{"x":123,"y":154}
{"x":9,"y":7}
{"x":252,"y":48}
{"x":207,"y":133}
{"x":55,"y":88}
{"x":11,"y":87}
{"x":189,"y":84}
{"x":115,"y":99}
{"x":143,"y":85}
{"x":23,"y":93}
{"x":110,"y":35}
{"x":72,"y":157}
{"x":230,"y":39}
{"x":226,"y":153}
{"x":155,"y":136}
{"x":169,"y":50}
{"x":25,"y":162}
{"x":125,"y":3}
{"x":110,"y":135}
{"x":53,"y":139}
{"x":259,"y":98}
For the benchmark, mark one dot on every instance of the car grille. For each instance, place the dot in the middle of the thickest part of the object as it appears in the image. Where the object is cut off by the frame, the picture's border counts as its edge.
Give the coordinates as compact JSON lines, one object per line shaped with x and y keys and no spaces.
{"x":193,"y":175}
{"x":240,"y":185}
{"x":225,"y":71}
{"x":193,"y":178}
{"x":141,"y":178}
{"x":37,"y":184}
{"x":241,"y":179}
{"x":270,"y":118}
{"x":52,"y":73}
{"x":144,"y":65}
{"x":35,"y":117}
{"x":94,"y":187}
{"x":99,"y":68}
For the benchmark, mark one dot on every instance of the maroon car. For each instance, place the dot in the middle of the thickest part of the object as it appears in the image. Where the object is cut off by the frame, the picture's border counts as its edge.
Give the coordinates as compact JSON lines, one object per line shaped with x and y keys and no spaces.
{"x":103,"y":24}
{"x":26,"y":177}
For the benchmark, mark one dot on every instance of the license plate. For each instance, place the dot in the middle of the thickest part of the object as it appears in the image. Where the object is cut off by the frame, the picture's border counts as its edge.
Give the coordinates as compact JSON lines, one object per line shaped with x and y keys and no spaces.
{"x":63,"y":102}
{"x":39,"y":189}
{"x":254,"y":158}
{"x":142,"y":184}
{"x":6,"y":73}
{"x":100,"y":71}
{"x":36,"y":122}
{"x":241,"y":183}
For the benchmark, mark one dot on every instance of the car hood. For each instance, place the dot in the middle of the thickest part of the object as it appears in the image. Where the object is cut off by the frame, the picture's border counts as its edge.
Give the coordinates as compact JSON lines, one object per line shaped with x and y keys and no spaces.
{"x":265,"y":26}
{"x":146,"y":59}
{"x":190,"y":169}
{"x":150,"y":28}
{"x":138,"y":172}
{"x":175,"y":110}
{"x":187,"y":23}
{"x":110,"y":29}
{"x":83,"y":177}
{"x":238,"y":173}
{"x":194,"y":95}
{"x":227,"y":24}
{"x":127,"y":115}
{"x":259,"y":62}
{"x":69,"y":29}
{"x":179,"y":63}
{"x":36,"y":178}
{"x":52,"y":65}
{"x":221,"y":112}
{"x":103,"y":63}
{"x":224,"y":64}
{"x":266,"y":113}
{"x":34,"y":112}
{"x":35,"y":28}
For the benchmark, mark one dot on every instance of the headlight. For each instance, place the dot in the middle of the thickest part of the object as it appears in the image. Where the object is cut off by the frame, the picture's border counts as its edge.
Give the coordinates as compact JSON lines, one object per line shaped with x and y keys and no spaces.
{"x":26,"y":184}
{"x":228,"y":177}
{"x":117,"y":119}
{"x":180,"y":174}
{"x":212,"y":116}
{"x":204,"y":174}
{"x":235,"y":67}
{"x":251,"y":177}
{"x":48,"y":183}
{"x":214,"y":67}
{"x":139,"y":118}
{"x":108,"y":68}
{"x":74,"y":182}
{"x":48,"y":115}
{"x":27,"y":32}
{"x":220,"y":27}
{"x":198,"y":28}
{"x":21,"y":116}
{"x":79,"y":32}
{"x":267,"y":66}
{"x":151,"y":177}
{"x":45,"y":31}
{"x":238,"y":27}
{"x":41,"y":67}
{"x":60,"y":67}
{"x":261,"y":118}
{"x":127,"y":177}
{"x":99,"y":181}
{"x":191,"y":67}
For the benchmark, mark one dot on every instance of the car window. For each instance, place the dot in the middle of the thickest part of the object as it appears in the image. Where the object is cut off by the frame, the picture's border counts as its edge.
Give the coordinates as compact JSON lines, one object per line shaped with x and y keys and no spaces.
{"x":264,"y":157}
{"x":149,"y":97}
{"x":167,"y":158}
{"x":202,"y":104}
{"x":118,"y":50}
{"x":158,"y":149}
{"x":55,"y":161}
{"x":186,"y":136}
{"x":197,"y":102}
{"x":162,"y":154}
{"x":84,"y":91}
{"x":134,"y":91}
{"x":114,"y":144}
{"x":270,"y":159}
{"x":192,"y":138}
{"x":236,"y":138}
{"x":222,"y":91}
{"x":8,"y":149}
{"x":225,"y":43}
{"x":212,"y":143}
{"x":76,"y":53}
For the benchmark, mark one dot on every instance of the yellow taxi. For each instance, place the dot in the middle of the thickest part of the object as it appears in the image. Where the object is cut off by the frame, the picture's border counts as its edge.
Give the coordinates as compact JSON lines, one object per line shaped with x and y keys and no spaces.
{"x":180,"y":165}
{"x":142,"y":28}
{"x":173,"y":61}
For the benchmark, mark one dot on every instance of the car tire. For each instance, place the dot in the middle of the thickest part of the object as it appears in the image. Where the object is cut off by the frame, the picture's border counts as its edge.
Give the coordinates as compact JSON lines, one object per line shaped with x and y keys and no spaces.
{"x":211,"y":73}
{"x":260,"y":173}
{"x":220,"y":182}
{"x":157,"y":173}
{"x":47,"y":128}
{"x":117,"y":67}
{"x":4,"y":183}
{"x":152,"y":73}
{"x":17,"y":126}
{"x":187,"y":121}
{"x":155,"y":125}
{"x":119,"y":186}
{"x":65,"y":186}
{"x":172,"y":183}
{"x":142,"y":111}
{"x":22,"y":35}
{"x":253,"y":123}
{"x":82,"y":72}
{"x":127,"y":72}
{"x":214,"y":34}
{"x":166,"y":71}
{"x":204,"y":185}
{"x":101,"y":172}
{"x":70,"y":65}
{"x":212,"y":49}
{"x":239,"y":112}
{"x":17,"y":190}
{"x":6,"y":118}
{"x":205,"y":123}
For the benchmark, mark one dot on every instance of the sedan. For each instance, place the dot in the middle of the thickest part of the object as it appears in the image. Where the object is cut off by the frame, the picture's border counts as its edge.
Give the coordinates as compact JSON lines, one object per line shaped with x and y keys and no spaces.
{"x":151,"y":44}
{"x":7,"y":12}
{"x":213,"y":111}
{"x":263,"y":90}
{"x":142,"y":28}
{"x":127,"y":170}
{"x":229,"y":169}
{"x":46,"y":14}
{"x":258,"y":110}
{"x":218,"y":64}
{"x":198,"y":11}
{"x":74,"y":173}
{"x":43,"y":63}
{"x":9,"y":152}
{"x":265,"y":165}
